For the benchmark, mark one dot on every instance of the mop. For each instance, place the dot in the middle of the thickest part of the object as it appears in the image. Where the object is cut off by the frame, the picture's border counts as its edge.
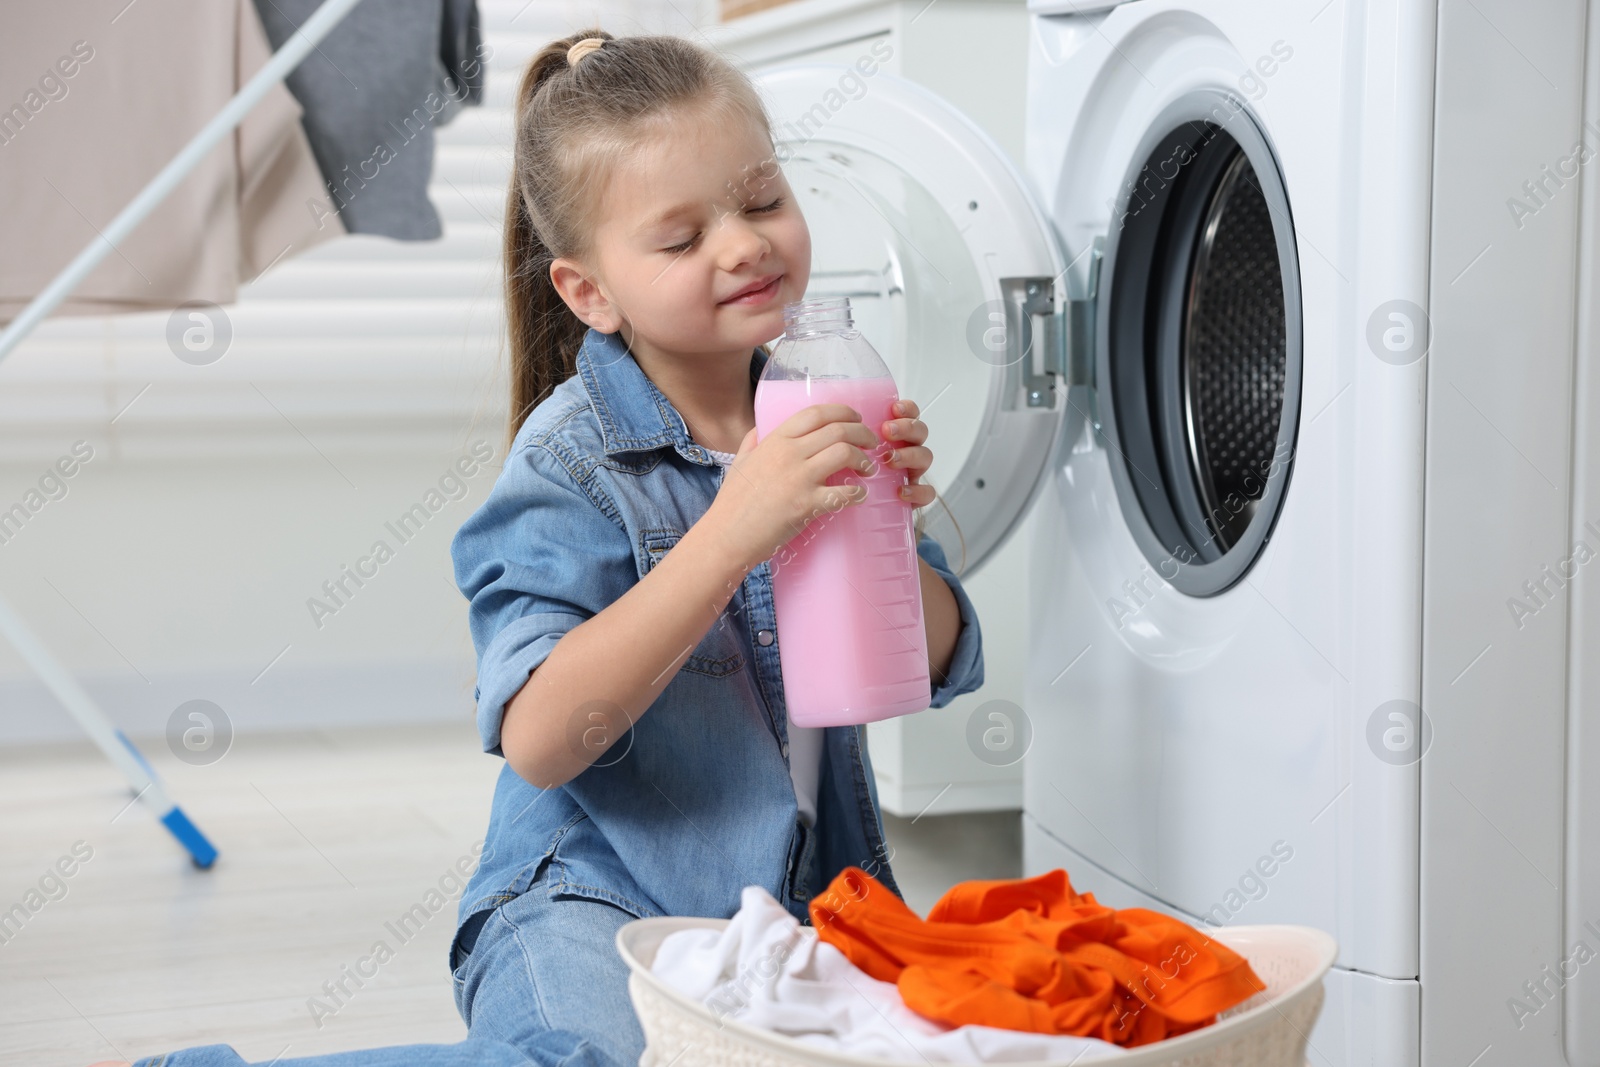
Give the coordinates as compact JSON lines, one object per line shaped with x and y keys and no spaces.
{"x":112,"y":741}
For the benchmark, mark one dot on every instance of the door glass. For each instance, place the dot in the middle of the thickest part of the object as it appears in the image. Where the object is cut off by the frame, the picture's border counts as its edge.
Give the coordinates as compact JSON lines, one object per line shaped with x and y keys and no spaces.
{"x":880,"y":238}
{"x":1234,"y":353}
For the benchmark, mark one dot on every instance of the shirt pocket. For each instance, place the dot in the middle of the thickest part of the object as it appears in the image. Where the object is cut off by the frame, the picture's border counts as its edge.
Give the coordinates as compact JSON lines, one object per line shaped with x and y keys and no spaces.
{"x":719,"y":653}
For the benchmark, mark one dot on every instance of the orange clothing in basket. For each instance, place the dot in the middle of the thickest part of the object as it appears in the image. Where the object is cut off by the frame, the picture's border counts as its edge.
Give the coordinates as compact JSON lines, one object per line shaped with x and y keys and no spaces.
{"x":1033,"y":954}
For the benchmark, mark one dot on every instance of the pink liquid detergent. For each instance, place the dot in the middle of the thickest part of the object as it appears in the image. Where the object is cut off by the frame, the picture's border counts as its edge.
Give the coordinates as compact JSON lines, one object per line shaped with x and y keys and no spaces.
{"x":846,"y":589}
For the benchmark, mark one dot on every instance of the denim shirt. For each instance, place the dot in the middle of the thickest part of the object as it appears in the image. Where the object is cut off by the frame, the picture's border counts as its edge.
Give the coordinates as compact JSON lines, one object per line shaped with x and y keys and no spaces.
{"x":600,"y":483}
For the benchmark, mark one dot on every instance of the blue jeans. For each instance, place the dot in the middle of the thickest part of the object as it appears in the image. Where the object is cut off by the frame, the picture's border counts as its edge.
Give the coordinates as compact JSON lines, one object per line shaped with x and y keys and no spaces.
{"x":541,"y":985}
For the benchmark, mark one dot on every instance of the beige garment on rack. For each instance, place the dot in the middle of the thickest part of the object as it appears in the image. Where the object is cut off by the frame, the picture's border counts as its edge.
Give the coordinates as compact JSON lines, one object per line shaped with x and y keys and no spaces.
{"x":98,"y":97}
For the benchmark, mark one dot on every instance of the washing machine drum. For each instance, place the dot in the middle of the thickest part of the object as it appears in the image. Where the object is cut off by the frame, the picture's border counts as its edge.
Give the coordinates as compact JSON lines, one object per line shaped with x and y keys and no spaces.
{"x":1199,"y":344}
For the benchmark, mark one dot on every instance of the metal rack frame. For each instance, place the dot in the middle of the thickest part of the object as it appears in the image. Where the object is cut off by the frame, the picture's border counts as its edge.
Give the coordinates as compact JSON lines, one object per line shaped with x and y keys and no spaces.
{"x":94,"y":721}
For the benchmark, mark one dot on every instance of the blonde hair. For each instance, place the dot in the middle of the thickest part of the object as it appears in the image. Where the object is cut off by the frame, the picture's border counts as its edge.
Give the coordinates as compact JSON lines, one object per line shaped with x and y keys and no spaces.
{"x":585,"y":107}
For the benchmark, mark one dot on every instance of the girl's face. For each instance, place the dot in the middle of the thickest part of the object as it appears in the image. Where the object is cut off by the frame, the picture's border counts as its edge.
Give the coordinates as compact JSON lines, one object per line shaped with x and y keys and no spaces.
{"x":703,"y":215}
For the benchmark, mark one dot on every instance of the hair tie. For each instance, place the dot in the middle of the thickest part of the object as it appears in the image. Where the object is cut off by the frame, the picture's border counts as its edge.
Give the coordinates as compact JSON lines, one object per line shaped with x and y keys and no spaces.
{"x":583,"y":48}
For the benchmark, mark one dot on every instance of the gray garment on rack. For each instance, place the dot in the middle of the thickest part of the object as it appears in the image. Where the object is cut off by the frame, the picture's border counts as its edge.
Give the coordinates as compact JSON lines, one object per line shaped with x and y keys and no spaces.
{"x":461,"y":49}
{"x":373,"y":91}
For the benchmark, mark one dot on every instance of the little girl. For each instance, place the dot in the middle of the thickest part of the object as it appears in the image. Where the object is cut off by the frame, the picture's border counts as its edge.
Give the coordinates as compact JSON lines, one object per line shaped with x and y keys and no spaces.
{"x":621,"y":598}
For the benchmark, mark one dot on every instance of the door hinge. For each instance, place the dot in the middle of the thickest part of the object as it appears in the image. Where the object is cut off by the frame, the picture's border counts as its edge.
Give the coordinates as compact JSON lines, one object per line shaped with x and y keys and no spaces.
{"x":1065,"y":336}
{"x":1026,"y":300}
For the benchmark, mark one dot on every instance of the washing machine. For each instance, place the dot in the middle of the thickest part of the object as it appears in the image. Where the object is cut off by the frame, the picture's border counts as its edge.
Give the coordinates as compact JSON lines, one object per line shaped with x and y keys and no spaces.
{"x":1279,"y":342}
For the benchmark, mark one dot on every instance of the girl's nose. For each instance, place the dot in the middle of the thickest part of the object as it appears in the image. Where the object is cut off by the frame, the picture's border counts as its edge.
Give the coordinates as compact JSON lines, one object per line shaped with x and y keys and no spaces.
{"x":741,"y":242}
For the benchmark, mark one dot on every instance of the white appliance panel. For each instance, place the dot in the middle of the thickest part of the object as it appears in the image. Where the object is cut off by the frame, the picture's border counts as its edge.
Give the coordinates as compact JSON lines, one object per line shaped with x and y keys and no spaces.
{"x":1193,"y":733}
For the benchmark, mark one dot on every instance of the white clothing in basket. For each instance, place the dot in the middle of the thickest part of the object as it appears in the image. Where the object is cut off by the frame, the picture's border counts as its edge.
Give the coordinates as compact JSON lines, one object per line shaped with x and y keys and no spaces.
{"x":805,"y":742}
{"x":766,"y":970}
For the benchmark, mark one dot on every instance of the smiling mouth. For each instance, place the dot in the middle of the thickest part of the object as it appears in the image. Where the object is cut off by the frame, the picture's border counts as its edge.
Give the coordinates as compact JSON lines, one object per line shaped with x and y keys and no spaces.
{"x":764,"y":291}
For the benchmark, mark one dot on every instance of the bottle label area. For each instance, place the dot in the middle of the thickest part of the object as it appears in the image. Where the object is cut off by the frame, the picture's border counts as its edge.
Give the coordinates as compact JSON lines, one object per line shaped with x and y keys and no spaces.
{"x":847,"y":588}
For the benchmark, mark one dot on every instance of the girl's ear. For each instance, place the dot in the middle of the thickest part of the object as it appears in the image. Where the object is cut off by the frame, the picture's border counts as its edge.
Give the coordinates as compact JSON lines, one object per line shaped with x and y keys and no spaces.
{"x":580,"y":292}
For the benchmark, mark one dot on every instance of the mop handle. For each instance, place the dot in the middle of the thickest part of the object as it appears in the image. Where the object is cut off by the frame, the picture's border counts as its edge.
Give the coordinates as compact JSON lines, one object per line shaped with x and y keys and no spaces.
{"x":118,"y":749}
{"x":116,"y":746}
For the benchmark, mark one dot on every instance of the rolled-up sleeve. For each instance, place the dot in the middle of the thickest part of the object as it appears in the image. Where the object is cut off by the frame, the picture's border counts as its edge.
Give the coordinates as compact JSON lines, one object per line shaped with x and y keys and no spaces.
{"x":538,"y":557}
{"x":966,"y":663}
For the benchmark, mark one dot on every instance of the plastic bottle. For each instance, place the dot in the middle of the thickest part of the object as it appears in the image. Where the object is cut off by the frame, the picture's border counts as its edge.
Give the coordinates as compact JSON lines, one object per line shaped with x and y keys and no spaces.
{"x":846,"y":589}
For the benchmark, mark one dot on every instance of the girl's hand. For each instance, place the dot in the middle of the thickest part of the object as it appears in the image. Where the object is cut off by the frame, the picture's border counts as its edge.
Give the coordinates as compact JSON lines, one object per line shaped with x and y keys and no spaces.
{"x":774,"y":489}
{"x":914,"y":459}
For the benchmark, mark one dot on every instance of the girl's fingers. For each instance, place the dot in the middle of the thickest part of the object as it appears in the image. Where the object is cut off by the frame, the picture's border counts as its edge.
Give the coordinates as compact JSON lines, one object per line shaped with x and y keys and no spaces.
{"x":911,"y":431}
{"x":915,"y":457}
{"x":903,"y":424}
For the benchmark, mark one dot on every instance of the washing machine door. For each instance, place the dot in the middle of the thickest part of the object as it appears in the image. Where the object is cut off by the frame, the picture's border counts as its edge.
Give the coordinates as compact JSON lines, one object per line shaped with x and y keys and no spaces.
{"x":954,"y":275}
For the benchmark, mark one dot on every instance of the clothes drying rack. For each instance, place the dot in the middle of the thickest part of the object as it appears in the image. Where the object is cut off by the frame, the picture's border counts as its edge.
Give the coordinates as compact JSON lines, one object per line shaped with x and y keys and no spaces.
{"x":113,"y":742}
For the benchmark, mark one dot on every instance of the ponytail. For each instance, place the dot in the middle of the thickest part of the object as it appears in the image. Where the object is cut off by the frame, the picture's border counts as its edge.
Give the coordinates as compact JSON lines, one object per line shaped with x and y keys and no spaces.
{"x":543,"y":334}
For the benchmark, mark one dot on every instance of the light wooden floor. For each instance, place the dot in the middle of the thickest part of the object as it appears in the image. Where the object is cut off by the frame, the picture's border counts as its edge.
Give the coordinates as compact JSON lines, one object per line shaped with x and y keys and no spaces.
{"x":324,"y":838}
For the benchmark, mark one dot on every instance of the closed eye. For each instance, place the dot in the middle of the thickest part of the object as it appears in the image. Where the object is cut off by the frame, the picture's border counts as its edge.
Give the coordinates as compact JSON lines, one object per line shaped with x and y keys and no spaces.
{"x":679,"y":249}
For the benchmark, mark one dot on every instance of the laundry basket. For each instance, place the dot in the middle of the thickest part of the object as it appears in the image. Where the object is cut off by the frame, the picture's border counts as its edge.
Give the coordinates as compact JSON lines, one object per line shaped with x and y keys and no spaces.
{"x":1268,"y":1030}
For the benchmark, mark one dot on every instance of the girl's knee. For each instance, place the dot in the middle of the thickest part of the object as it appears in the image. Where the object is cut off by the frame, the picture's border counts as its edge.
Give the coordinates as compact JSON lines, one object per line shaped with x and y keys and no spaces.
{"x":545,"y":970}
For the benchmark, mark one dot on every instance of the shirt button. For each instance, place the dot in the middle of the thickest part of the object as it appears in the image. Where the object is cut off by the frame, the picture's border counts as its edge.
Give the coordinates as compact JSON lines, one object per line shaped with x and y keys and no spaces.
{"x":764,"y":636}
{"x":785,"y":747}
